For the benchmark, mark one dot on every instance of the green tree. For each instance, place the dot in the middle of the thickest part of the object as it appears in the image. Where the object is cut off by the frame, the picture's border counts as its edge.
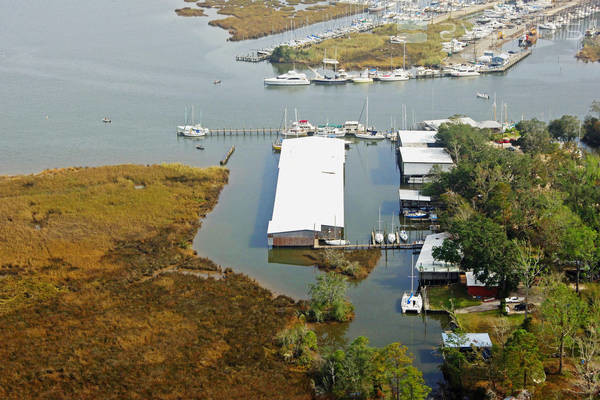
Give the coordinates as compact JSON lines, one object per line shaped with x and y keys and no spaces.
{"x":522,"y":360}
{"x":564,"y":312}
{"x":328,"y":298}
{"x":297,"y":344}
{"x":485,"y":249}
{"x":579,"y":247}
{"x":394,"y":370}
{"x":591,"y":127}
{"x":565,"y":128}
{"x":595,"y":107}
{"x":535,"y":137}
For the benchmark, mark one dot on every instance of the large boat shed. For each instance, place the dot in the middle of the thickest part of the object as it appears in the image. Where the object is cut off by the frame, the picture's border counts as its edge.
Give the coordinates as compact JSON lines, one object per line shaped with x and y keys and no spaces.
{"x":309,"y":200}
{"x":419,"y":161}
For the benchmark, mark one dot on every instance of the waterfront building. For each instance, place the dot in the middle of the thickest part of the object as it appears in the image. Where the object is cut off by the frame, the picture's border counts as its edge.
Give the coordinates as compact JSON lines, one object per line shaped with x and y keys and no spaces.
{"x":432,"y":271}
{"x":418,"y":162}
{"x":309,"y":199}
{"x":417,"y":138}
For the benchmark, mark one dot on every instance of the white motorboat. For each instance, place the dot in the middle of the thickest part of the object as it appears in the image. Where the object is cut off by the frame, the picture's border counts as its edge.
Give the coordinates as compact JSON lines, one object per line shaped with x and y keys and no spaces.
{"x":337,"y":242}
{"x":394,"y":76}
{"x":403,"y":235}
{"x":106,"y":120}
{"x":353,"y":127}
{"x":464,"y":70}
{"x":549,"y":26}
{"x":363,"y":77}
{"x":415,"y":214}
{"x":483,"y":96}
{"x":291,"y":78}
{"x":331,"y":131}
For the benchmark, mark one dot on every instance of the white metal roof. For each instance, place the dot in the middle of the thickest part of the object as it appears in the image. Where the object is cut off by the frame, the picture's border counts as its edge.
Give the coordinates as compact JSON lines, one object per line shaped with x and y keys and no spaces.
{"x":310,"y":185}
{"x":466,"y":340}
{"x":429,"y":155}
{"x":412,"y":195}
{"x":426,"y":262}
{"x":490,"y":125}
{"x":473,"y":281}
{"x":416,"y":137}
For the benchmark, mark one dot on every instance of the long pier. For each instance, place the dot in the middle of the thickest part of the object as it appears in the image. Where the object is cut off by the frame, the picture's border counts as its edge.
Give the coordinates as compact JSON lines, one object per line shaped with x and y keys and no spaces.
{"x":243,"y":131}
{"x":366,"y":246}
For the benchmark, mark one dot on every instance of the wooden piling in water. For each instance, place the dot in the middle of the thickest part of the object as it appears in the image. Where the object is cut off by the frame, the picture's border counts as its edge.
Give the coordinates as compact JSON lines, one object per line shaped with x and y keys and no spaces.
{"x":227,"y":156}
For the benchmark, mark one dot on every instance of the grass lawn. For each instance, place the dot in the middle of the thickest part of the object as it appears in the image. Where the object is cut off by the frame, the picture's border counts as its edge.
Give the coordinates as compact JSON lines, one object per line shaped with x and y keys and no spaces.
{"x":488,"y":321}
{"x":439,"y":297}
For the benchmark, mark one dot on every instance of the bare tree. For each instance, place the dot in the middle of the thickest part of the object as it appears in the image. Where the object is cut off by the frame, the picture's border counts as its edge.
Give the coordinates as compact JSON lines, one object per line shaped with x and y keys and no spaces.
{"x":528,"y":267}
{"x":587,"y":370}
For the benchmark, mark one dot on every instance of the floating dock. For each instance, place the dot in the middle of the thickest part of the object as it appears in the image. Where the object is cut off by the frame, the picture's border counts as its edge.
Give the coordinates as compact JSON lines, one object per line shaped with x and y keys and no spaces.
{"x":514,"y":59}
{"x":243,"y":131}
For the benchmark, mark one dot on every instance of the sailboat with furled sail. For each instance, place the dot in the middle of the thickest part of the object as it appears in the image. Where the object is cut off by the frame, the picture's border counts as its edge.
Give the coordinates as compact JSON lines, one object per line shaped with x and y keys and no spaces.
{"x":412,"y":302}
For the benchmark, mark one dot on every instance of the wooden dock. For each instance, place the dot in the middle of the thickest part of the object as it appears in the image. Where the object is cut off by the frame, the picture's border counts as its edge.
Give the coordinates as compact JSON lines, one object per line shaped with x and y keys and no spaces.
{"x":227,"y":156}
{"x":514,"y":59}
{"x":243,"y":131}
{"x":366,"y":246}
{"x":253,"y":57}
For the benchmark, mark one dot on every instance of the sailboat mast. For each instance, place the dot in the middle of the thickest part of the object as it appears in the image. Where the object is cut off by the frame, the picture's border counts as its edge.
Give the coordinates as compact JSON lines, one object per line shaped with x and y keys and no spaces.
{"x":367,"y":118}
{"x":285,"y":119}
{"x":192,"y":116}
{"x":412,"y":273}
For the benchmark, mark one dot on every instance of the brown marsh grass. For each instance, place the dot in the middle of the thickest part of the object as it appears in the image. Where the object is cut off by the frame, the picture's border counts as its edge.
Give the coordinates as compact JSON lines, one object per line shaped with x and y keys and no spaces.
{"x":86,"y":313}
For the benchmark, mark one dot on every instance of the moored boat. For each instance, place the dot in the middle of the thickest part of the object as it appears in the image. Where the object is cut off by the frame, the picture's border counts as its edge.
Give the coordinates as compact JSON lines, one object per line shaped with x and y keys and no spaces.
{"x":291,"y":78}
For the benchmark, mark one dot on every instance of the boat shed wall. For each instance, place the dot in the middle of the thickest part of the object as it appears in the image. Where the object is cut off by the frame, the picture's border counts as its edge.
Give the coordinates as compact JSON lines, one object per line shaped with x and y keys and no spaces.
{"x":418,"y":161}
{"x":309,"y":200}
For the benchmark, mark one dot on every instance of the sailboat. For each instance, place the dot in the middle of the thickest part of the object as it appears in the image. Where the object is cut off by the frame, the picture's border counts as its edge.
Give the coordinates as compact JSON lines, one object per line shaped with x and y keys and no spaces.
{"x":391,"y":236}
{"x":192,"y":130}
{"x":403,"y":235}
{"x":412,"y":302}
{"x":378,"y":236}
{"x":369,"y":133}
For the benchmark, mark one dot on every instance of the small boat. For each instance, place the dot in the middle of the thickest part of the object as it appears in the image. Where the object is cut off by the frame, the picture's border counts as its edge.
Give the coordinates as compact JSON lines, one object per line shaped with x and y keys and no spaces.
{"x":464,"y":70}
{"x":291,"y":78}
{"x":370,"y":135}
{"x":337,"y":242}
{"x":415,"y":214}
{"x":394,"y":76}
{"x":194,"y":131}
{"x":364,"y":77}
{"x":217,"y":82}
{"x":106,"y":120}
{"x":403,"y":235}
{"x":483,"y":96}
{"x":277,"y":145}
{"x":200,"y":147}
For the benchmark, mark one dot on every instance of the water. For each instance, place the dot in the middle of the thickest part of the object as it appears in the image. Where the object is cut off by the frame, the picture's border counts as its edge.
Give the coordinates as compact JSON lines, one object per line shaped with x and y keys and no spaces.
{"x":65,"y":65}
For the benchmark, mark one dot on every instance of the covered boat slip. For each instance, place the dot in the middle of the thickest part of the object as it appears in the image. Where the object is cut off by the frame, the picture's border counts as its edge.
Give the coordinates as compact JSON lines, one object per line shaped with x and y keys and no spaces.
{"x":309,"y":200}
{"x":419,"y":161}
{"x":432,"y":271}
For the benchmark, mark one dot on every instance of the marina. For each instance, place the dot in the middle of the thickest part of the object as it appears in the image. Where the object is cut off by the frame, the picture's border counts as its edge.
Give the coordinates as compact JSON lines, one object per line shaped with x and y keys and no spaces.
{"x":130,"y":83}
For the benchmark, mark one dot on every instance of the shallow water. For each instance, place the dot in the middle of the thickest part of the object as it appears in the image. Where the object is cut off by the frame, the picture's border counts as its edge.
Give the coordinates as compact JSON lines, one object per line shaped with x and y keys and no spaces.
{"x":65,"y":65}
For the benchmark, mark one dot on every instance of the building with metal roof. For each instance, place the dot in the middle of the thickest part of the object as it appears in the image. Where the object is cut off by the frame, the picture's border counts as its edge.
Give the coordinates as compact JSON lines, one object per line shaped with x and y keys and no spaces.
{"x":309,"y":200}
{"x":419,"y":161}
{"x":466,"y":340}
{"x":432,"y":271}
{"x":417,"y":138}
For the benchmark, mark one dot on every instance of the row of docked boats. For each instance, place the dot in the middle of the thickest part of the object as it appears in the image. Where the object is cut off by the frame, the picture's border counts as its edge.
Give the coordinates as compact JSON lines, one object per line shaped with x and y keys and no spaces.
{"x":294,"y":78}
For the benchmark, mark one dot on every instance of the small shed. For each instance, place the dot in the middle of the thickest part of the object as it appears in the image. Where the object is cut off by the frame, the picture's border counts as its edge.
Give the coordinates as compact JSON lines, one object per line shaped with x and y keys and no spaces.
{"x":477,"y":288}
{"x":410,"y":198}
{"x":467,"y":341}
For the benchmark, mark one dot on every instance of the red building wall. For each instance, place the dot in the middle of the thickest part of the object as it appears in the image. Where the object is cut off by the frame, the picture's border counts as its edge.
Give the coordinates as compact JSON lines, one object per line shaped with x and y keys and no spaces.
{"x":482,"y":291}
